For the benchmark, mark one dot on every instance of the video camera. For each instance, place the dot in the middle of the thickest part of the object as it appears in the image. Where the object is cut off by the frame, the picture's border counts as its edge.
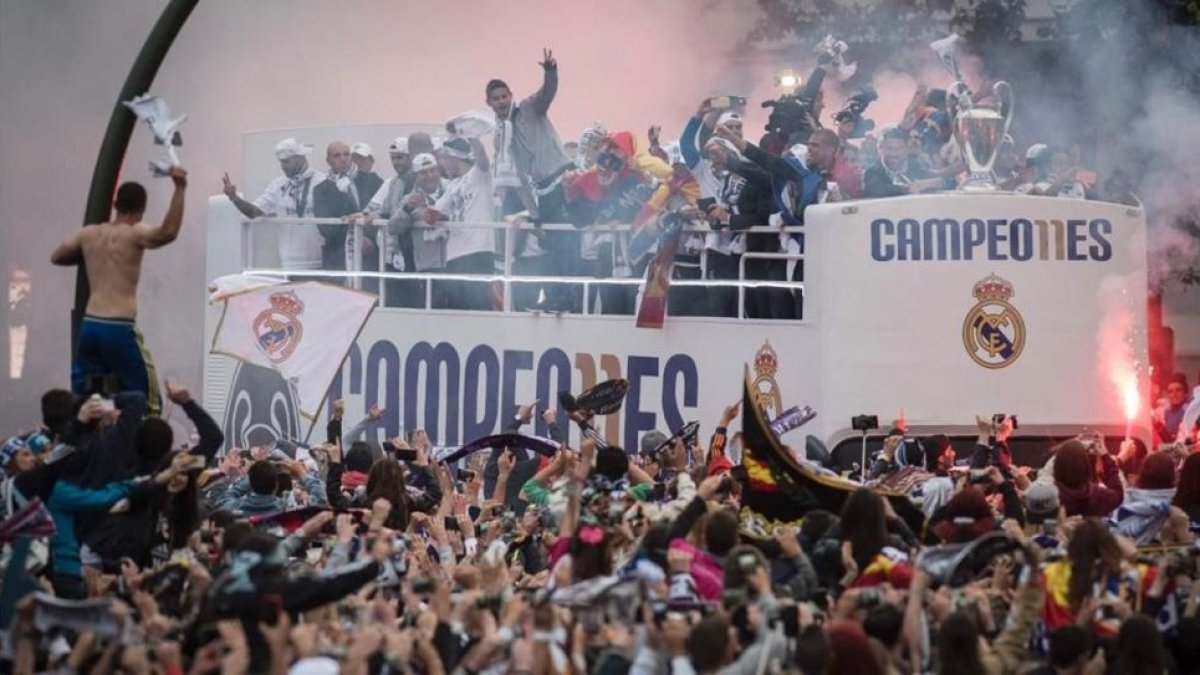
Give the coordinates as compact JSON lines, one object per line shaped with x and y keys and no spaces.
{"x":854,"y":110}
{"x":791,"y":113}
{"x":790,"y":117}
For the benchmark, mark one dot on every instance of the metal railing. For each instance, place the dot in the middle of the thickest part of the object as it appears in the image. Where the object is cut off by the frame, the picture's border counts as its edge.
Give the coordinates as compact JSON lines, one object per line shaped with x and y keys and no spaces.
{"x":505,"y":276}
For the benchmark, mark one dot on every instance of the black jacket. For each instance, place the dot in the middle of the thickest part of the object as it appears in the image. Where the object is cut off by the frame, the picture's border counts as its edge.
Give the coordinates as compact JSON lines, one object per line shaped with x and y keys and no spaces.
{"x":751,"y":206}
{"x":426,"y":502}
{"x":878,"y":183}
{"x":135,"y":533}
{"x":330,"y":202}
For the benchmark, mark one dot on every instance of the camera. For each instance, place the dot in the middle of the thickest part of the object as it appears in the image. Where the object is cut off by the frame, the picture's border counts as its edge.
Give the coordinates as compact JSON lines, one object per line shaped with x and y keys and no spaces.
{"x":854,"y":110}
{"x":998,"y":419}
{"x":864,"y":422}
{"x":789,"y":117}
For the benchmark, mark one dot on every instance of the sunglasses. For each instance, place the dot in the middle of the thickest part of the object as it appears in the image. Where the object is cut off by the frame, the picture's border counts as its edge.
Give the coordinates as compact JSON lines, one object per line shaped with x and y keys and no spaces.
{"x":610,"y":161}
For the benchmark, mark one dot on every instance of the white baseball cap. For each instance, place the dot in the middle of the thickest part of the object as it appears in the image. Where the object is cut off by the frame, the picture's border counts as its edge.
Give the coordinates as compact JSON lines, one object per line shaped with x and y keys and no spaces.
{"x":729,"y":116}
{"x":290,"y":147}
{"x":424,"y":161}
{"x":399,"y":144}
{"x":361,"y":149}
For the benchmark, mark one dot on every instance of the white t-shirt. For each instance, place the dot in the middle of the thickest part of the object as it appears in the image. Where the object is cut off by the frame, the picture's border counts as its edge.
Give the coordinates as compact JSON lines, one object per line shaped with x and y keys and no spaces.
{"x":468,"y":199}
{"x":299,"y":245}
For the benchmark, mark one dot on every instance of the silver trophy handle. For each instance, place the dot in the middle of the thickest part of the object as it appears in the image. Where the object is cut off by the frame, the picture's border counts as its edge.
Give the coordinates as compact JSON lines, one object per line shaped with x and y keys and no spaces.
{"x":1003,"y":93}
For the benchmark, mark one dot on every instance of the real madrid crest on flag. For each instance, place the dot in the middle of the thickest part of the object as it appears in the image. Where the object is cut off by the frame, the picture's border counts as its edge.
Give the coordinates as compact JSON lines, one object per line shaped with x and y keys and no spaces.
{"x":993,"y":332}
{"x":278,"y":327}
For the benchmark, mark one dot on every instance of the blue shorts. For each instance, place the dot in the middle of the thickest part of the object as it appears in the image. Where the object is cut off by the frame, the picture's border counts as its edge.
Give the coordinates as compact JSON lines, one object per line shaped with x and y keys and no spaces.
{"x":114,"y":347}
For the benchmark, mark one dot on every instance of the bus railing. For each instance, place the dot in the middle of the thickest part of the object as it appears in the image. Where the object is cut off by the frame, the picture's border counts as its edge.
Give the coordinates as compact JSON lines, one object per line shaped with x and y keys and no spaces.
{"x":505,"y":275}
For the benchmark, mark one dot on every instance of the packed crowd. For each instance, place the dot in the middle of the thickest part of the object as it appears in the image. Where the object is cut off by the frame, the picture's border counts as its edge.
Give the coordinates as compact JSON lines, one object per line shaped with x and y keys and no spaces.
{"x":126,"y":552}
{"x":711,"y":180}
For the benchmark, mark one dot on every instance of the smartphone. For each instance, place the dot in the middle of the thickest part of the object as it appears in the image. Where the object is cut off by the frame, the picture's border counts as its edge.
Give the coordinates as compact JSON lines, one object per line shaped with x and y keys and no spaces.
{"x":406,"y":455}
{"x":451,"y":523}
{"x":724,"y":102}
{"x":465,"y":475}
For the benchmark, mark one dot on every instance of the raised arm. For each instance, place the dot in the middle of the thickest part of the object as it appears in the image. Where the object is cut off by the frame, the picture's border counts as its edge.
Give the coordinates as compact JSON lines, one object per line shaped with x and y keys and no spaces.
{"x":156,"y":237}
{"x":542,"y":99}
{"x":248,"y":209}
{"x":481,"y":157}
{"x":687,"y":143}
{"x":70,"y":252}
{"x":210,"y":434}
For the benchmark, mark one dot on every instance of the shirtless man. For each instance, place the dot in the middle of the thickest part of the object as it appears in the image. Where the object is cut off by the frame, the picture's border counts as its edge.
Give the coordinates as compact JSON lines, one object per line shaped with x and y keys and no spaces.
{"x":109,"y":343}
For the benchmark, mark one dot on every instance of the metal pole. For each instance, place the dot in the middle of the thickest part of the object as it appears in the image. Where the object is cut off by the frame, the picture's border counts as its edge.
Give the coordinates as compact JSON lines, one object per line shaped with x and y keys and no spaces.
{"x":116,"y":137}
{"x":863,"y":466}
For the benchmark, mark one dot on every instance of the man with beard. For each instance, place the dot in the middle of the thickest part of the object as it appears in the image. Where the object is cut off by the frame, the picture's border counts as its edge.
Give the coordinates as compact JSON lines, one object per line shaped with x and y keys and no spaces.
{"x":893,"y":175}
{"x":288,"y":196}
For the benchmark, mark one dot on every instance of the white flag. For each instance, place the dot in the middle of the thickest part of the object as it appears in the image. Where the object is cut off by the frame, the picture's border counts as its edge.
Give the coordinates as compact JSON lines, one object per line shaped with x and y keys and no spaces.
{"x":302,"y":330}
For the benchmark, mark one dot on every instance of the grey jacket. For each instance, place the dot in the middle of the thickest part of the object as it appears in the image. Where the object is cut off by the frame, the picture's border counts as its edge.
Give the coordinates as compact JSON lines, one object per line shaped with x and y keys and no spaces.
{"x":537,"y":149}
{"x":428,"y":254}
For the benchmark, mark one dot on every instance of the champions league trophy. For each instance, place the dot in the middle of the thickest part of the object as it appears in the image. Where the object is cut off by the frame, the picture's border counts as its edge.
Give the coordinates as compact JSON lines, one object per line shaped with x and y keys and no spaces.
{"x":978,"y":130}
{"x":154,"y":112}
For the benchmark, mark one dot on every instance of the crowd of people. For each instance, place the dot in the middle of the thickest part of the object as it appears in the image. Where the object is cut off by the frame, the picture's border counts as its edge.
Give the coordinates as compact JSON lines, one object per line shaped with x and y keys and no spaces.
{"x":127,"y":552}
{"x":712,"y":180}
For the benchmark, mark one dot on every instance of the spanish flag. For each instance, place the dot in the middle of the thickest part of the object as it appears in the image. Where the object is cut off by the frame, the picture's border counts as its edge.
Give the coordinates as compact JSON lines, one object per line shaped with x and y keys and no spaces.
{"x":1057,"y":612}
{"x":780,"y":489}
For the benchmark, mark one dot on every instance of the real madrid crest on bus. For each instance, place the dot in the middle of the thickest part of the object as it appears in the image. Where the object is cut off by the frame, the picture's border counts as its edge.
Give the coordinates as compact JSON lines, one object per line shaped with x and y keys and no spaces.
{"x":767,"y":394}
{"x":278,"y":328}
{"x":993,"y":332}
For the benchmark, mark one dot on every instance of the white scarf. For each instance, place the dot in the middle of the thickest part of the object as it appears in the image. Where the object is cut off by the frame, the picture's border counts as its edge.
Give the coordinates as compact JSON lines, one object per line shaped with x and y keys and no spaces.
{"x":299,"y":189}
{"x":504,"y":168}
{"x":345,"y":183}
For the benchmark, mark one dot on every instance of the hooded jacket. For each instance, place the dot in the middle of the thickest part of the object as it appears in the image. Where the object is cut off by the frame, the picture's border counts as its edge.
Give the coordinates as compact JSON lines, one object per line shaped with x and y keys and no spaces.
{"x":1094,"y":499}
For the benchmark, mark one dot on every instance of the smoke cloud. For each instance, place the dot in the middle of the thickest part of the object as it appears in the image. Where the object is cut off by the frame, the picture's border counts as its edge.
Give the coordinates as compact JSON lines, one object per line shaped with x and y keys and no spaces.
{"x":275,"y":64}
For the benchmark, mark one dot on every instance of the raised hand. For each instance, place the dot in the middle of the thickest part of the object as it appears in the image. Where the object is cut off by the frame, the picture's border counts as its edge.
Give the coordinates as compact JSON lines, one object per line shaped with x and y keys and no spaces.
{"x":228,"y":187}
{"x":548,"y":62}
{"x":178,"y":393}
{"x":730,"y":413}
